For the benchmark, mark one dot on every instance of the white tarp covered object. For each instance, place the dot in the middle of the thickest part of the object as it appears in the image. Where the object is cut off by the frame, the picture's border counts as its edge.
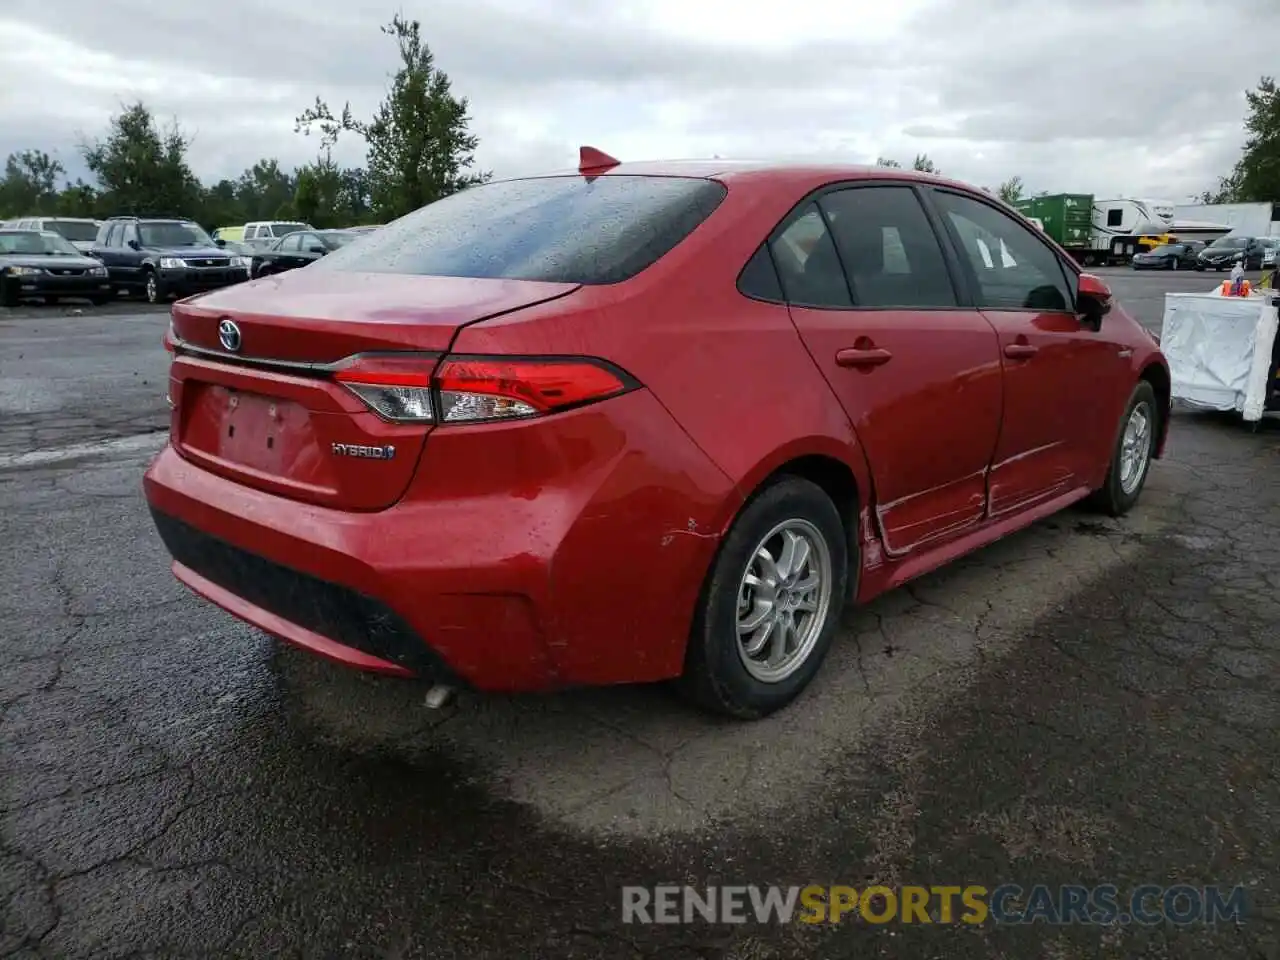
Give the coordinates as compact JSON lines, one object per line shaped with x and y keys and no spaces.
{"x":1219,"y":349}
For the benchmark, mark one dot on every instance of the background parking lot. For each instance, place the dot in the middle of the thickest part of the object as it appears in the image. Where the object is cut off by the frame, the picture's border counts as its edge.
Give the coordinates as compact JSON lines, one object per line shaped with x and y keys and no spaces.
{"x":1088,"y":701}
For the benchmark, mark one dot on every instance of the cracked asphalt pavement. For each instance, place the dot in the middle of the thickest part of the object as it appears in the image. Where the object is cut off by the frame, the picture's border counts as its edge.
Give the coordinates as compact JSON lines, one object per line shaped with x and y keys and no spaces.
{"x":1089,"y":701}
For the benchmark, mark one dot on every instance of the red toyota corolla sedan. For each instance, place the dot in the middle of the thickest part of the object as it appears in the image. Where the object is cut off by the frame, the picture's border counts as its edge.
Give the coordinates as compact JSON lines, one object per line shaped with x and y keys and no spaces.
{"x":634,"y":422}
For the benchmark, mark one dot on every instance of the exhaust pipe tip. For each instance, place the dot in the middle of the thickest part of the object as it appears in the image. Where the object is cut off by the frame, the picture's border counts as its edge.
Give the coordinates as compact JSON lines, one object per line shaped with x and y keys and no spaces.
{"x":439,"y":696}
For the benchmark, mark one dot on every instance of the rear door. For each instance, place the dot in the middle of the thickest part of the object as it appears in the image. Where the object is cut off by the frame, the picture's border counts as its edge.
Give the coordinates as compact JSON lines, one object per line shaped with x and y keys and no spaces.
{"x":1061,"y":378}
{"x":285,"y":253}
{"x":299,"y":246}
{"x":131,"y":258}
{"x":110,"y":252}
{"x":916,"y":370}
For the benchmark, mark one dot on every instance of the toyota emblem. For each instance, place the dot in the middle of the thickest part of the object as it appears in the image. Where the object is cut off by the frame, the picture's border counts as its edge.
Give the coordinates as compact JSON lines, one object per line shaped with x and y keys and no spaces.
{"x":229,"y":335}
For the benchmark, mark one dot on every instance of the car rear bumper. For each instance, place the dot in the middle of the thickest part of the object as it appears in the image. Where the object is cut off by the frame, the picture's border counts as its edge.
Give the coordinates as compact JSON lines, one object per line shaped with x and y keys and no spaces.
{"x":583,"y":568}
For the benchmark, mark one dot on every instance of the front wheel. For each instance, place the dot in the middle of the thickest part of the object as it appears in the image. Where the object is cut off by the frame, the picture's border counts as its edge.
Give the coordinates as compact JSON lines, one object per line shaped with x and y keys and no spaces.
{"x":1131,"y":454}
{"x":771,"y":604}
{"x":154,"y":288}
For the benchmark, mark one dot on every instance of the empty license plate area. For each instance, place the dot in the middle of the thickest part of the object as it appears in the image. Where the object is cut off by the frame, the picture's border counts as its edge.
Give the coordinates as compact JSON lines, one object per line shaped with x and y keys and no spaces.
{"x":265,"y":435}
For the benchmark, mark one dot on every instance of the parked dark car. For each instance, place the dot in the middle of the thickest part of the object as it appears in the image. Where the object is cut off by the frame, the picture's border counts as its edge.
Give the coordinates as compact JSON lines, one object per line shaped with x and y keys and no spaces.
{"x":43,"y":264}
{"x":1169,"y":256}
{"x":165,"y":257}
{"x":297,"y":250}
{"x":1225,"y":251}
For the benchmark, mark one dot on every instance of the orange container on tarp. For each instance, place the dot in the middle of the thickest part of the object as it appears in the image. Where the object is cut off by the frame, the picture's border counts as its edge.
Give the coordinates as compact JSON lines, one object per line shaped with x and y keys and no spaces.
{"x":1229,"y":289}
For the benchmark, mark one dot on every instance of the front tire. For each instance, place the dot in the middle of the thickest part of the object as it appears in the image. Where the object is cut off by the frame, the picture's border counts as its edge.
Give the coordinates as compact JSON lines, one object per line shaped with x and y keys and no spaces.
{"x":153,"y":288}
{"x":771,"y":604}
{"x":1131,"y":454}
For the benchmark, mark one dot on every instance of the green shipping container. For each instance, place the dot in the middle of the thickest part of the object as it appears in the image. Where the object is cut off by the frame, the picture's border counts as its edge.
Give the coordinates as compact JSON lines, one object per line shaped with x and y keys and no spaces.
{"x":1067,"y":217}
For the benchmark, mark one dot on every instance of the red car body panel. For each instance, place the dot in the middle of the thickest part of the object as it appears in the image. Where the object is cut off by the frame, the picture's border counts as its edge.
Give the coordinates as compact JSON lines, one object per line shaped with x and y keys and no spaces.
{"x":572,"y":548}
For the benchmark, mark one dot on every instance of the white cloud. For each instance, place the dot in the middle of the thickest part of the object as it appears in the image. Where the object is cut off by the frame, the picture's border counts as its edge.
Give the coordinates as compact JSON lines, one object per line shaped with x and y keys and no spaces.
{"x":1128,"y":97}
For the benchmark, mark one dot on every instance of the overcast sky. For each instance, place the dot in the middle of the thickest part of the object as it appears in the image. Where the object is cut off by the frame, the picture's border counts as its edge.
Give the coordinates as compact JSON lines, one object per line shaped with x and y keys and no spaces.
{"x":1120,"y":97}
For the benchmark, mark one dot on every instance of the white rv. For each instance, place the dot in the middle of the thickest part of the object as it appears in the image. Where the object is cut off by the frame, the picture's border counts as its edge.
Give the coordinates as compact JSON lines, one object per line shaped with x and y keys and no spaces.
{"x":1241,"y":219}
{"x":1131,"y":218}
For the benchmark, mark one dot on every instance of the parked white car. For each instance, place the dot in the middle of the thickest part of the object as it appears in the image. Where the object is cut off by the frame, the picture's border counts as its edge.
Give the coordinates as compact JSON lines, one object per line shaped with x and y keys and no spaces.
{"x":260,"y":234}
{"x":80,"y":231}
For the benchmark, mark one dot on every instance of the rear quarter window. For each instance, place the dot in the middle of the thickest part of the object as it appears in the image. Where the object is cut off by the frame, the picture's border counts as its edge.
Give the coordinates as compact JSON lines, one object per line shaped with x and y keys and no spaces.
{"x":555,"y":229}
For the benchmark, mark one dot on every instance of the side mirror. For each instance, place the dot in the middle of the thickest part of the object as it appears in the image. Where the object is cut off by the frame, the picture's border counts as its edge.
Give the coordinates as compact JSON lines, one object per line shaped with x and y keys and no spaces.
{"x":1093,"y":300}
{"x":320,"y":250}
{"x":219,"y":242}
{"x":134,"y":245}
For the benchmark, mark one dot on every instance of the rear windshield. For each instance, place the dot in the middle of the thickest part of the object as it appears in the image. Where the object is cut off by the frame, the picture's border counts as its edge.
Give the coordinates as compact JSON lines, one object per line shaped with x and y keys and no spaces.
{"x":74,"y":229}
{"x":556,"y":229}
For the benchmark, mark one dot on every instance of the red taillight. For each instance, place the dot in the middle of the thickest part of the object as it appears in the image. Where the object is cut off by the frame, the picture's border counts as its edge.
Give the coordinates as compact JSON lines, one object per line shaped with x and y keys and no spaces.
{"x":495,"y":388}
{"x":397,"y":387}
{"x":419,"y":388}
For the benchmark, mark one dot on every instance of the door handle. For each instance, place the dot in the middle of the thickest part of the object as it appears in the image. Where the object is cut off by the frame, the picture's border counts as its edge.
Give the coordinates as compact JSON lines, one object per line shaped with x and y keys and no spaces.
{"x":1019,"y":351}
{"x":869,"y":357}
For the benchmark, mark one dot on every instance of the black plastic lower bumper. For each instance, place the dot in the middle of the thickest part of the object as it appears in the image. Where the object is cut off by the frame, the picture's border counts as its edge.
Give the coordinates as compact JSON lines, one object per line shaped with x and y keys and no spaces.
{"x":328,"y":609}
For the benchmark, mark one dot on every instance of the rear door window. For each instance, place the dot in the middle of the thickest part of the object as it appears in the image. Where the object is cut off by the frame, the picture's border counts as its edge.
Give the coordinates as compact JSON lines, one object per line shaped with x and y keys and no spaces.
{"x":890,"y":251}
{"x":808,"y":264}
{"x":560,"y":229}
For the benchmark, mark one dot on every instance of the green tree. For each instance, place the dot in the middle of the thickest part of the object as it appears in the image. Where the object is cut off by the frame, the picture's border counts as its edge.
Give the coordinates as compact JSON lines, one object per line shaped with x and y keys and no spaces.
{"x":30,"y":184}
{"x":1256,"y":176}
{"x":924,"y":164}
{"x":142,"y":168}
{"x":77,"y":199}
{"x":265,"y":192}
{"x":221,"y":206}
{"x":1011,"y":190}
{"x":419,"y":145}
{"x":318,"y":195}
{"x":356,"y":198}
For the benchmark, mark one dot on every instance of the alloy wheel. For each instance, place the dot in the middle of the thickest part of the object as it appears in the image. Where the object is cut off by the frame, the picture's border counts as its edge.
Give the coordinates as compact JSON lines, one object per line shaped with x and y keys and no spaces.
{"x":1135,"y":447}
{"x":784,"y":596}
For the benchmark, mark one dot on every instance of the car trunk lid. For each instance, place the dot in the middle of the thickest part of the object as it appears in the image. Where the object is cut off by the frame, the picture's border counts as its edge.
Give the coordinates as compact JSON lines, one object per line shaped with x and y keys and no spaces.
{"x":259,"y":404}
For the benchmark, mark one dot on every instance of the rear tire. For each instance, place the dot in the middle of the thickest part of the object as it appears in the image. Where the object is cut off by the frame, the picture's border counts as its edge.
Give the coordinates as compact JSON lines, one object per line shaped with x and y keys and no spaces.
{"x":777,"y":584}
{"x":1131,"y":453}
